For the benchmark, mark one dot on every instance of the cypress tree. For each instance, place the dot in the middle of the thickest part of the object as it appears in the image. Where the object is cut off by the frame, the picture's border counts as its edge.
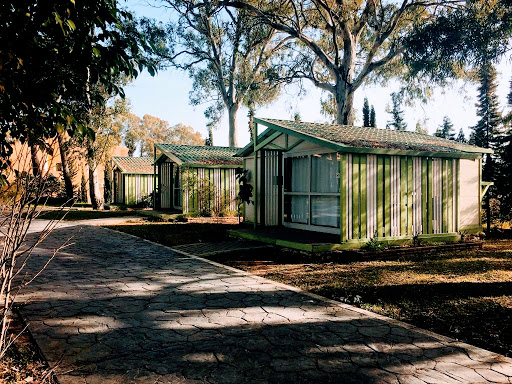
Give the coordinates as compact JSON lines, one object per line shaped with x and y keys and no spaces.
{"x":366,"y":113}
{"x":486,"y":131}
{"x":397,"y":115}
{"x":445,"y":130}
{"x":373,"y":117}
{"x":461,"y":138}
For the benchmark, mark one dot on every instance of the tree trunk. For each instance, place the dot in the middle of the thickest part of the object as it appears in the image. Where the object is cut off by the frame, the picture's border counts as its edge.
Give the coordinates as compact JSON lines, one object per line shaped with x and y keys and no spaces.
{"x":67,"y":174}
{"x":232,"y":114}
{"x":36,"y":163}
{"x":94,"y":187}
{"x":344,"y":105}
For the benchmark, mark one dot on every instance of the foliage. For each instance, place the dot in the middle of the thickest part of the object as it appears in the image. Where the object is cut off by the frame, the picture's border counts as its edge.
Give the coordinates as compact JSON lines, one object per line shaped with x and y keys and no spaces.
{"x":83,"y":189}
{"x":373,"y":245}
{"x":373,"y":117}
{"x":339,"y":46}
{"x":471,"y":35}
{"x":421,"y":127}
{"x":49,"y":57}
{"x":244,"y":189}
{"x":503,"y":177}
{"x":461,"y":137}
{"x":366,"y":113}
{"x":397,"y":115}
{"x":145,"y":201}
{"x":149,"y":130}
{"x":204,"y":196}
{"x":229,"y":55}
{"x":445,"y":130}
{"x":486,"y":131}
{"x":108,"y":182}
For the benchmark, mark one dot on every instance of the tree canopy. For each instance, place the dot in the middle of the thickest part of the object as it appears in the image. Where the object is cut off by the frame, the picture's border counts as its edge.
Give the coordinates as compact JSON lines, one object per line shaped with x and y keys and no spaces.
{"x":231,"y":57}
{"x":50,"y":54}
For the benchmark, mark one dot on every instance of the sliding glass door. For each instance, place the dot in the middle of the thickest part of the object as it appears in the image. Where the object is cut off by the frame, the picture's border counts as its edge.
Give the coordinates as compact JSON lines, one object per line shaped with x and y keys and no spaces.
{"x":311,"y":192}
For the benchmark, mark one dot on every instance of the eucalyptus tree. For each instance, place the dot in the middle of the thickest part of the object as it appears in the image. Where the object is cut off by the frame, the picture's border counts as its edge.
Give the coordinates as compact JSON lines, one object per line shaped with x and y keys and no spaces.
{"x":343,"y":45}
{"x":230,"y":56}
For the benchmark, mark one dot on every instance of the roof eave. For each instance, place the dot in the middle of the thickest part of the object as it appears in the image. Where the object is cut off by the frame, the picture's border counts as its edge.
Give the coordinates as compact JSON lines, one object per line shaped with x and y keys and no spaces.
{"x":472,"y":154}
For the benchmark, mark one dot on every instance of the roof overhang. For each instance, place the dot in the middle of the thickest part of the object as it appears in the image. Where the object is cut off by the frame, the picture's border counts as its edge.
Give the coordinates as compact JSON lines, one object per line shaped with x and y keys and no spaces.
{"x":272,"y":127}
{"x":167,"y":154}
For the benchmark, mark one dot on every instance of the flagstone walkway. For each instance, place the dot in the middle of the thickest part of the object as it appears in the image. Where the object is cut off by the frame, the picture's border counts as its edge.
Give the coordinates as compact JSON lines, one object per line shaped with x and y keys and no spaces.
{"x":112,"y":308}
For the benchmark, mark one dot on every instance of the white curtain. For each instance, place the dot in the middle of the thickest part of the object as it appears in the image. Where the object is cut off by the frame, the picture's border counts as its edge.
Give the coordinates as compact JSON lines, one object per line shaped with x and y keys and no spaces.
{"x":300,"y":169}
{"x":325,"y":173}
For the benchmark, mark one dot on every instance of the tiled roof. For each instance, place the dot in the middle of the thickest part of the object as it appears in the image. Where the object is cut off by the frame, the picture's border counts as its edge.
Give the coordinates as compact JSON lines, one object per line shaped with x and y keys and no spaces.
{"x":201,"y":155}
{"x":130,"y":164}
{"x":371,"y":138}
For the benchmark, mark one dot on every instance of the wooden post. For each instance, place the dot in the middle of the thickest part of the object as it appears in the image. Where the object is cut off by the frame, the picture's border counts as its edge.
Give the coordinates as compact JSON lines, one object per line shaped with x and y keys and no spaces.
{"x":256,"y":197}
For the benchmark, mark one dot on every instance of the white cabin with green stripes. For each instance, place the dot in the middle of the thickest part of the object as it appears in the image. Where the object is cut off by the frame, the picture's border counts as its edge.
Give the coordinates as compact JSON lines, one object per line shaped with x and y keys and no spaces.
{"x":134,"y":179}
{"x":196,"y":179}
{"x":363,"y":183}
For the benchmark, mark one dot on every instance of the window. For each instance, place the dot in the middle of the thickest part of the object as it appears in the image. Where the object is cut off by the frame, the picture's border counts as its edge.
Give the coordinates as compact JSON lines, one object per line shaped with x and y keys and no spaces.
{"x":311,"y":190}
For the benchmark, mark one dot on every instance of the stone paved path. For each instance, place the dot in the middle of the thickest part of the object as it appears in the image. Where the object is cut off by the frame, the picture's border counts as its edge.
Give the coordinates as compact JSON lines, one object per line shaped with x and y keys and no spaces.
{"x":116,"y":309}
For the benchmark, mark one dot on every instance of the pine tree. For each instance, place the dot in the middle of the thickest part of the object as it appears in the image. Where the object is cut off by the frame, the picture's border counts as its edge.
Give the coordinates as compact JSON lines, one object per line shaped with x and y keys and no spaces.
{"x":445,"y":130}
{"x":503,"y":179}
{"x":373,"y":117}
{"x":461,"y":138}
{"x":366,"y":113}
{"x":397,"y":115}
{"x":83,"y":189}
{"x":486,"y":131}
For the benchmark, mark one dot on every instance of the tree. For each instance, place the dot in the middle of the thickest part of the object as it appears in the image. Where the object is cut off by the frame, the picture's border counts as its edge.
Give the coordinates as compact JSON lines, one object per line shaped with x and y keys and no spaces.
{"x":228,"y":54}
{"x":503,"y":177}
{"x":486,"y":132}
{"x":472,"y":35}
{"x":149,"y":130}
{"x":342,"y":45}
{"x":373,"y":117}
{"x":461,"y":137}
{"x":49,"y":56}
{"x":445,"y":130}
{"x":366,"y":113}
{"x":397,"y":115}
{"x":421,"y":127}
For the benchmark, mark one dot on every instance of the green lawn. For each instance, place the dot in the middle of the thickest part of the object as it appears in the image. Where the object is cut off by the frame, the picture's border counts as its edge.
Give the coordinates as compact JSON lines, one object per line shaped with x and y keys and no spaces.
{"x":171,"y":234}
{"x":83,"y":214}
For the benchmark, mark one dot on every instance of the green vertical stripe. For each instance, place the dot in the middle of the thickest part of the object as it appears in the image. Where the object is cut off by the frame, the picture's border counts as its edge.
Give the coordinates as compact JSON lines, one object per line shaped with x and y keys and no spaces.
{"x":362,"y":177}
{"x":387,"y":195}
{"x":403,"y":196}
{"x":430,"y":196}
{"x":450,"y":186}
{"x":409,"y":195}
{"x":424,"y":197}
{"x":343,"y":197}
{"x":444,"y":209}
{"x":380,"y":196}
{"x":356,"y":196}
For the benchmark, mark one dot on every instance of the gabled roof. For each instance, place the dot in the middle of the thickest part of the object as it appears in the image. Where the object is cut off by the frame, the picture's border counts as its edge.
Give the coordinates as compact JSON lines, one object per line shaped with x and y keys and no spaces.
{"x":129,"y":164}
{"x":365,"y":139}
{"x":199,"y":155}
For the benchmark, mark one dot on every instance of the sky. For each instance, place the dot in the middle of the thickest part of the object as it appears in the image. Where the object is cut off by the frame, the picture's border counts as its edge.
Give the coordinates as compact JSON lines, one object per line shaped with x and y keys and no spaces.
{"x":166,"y":96}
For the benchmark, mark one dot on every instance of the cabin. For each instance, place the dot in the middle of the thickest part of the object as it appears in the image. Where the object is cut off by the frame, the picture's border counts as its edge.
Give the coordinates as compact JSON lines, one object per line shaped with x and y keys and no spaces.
{"x":134,"y":179}
{"x":197,"y":179}
{"x":363,"y":183}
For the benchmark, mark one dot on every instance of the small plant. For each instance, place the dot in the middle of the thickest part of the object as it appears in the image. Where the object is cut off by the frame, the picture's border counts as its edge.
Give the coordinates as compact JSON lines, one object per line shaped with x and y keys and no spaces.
{"x":244,"y":190}
{"x":373,"y":245}
{"x":416,"y":241}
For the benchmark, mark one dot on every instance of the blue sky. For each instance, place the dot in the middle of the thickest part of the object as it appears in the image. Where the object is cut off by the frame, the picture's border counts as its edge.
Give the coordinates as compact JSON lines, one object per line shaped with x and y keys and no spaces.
{"x":167,"y":96}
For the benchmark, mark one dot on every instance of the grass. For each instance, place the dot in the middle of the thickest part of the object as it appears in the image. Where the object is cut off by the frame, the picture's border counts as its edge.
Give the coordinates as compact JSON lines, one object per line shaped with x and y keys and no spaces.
{"x":466,"y":295}
{"x":172,"y":234}
{"x":83,"y":215}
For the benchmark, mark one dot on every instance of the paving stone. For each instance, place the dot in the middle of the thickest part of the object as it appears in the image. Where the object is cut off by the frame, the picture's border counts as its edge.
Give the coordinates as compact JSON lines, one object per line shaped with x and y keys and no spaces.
{"x":116,"y":309}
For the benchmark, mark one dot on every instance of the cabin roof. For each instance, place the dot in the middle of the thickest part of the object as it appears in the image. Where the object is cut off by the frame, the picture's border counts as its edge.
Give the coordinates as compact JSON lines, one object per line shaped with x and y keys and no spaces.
{"x":366,"y":139}
{"x":199,"y":155}
{"x":129,"y":164}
